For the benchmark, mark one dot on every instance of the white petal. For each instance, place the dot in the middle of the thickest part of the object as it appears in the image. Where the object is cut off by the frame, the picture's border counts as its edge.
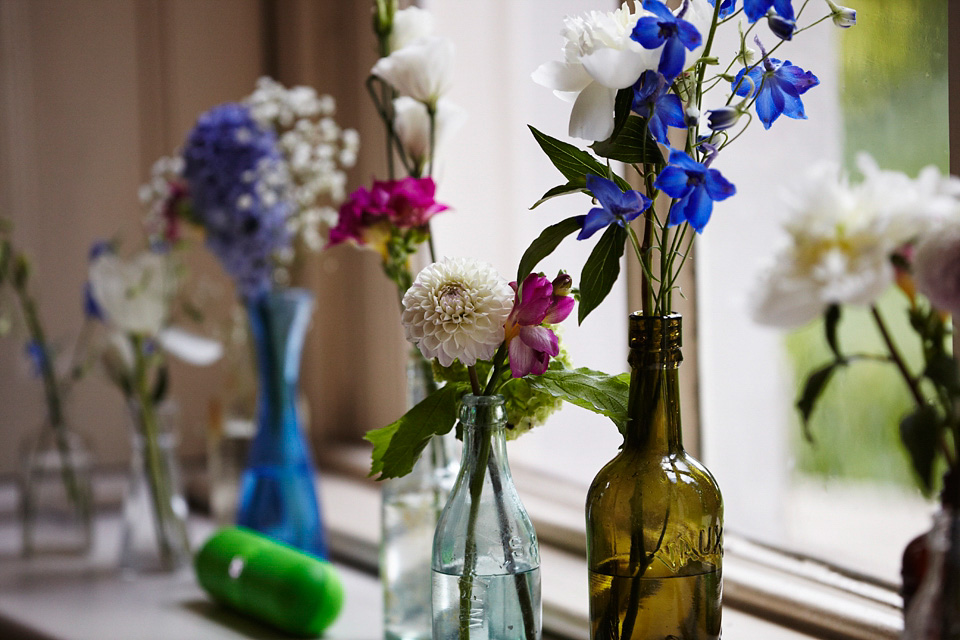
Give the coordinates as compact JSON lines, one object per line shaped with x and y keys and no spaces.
{"x":562,"y":76}
{"x":189,"y":347}
{"x":592,"y":114}
{"x":616,"y":68}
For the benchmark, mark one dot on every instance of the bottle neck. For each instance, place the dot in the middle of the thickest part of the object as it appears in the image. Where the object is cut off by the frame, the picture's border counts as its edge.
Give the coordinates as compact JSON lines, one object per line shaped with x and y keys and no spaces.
{"x":483,"y":419}
{"x":653,"y":411}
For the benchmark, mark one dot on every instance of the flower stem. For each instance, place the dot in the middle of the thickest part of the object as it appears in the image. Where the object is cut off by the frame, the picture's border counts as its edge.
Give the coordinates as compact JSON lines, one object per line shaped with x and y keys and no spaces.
{"x":52,"y":393}
{"x":157,"y":472}
{"x":474,"y":380}
{"x":470,"y":543}
{"x":897,"y":358}
{"x":523,"y":593}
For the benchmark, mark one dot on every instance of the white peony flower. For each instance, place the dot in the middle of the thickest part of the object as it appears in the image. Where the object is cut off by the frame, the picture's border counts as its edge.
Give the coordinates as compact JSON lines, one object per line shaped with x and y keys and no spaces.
{"x":455,"y":310}
{"x":841,"y":239}
{"x":409,"y":25}
{"x":412,"y":125}
{"x":133,"y":294}
{"x":599,"y":59}
{"x":936,"y":267}
{"x":422,"y":70}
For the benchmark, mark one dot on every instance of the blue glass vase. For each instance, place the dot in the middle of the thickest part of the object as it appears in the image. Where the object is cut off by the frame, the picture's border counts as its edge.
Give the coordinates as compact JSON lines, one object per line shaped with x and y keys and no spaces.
{"x":277,"y":492}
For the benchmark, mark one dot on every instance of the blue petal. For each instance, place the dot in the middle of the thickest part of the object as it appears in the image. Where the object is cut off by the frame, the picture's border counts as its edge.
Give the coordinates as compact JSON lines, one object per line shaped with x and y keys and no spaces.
{"x":676,"y":213}
{"x":744,"y":87}
{"x":769,"y":103}
{"x":698,"y":208}
{"x":647,"y":33}
{"x":597,"y":219}
{"x":784,"y":8}
{"x":688,"y":35}
{"x":726,"y":7}
{"x":800,"y":79}
{"x":659,"y":9}
{"x":629,"y":203}
{"x":670,"y":110}
{"x":90,"y":306}
{"x":684,"y":161}
{"x":672,"y":58}
{"x":718,"y":187}
{"x":606,"y":191}
{"x":756,"y":9}
{"x":658,"y":128}
{"x":781,"y":27}
{"x":673,"y":181}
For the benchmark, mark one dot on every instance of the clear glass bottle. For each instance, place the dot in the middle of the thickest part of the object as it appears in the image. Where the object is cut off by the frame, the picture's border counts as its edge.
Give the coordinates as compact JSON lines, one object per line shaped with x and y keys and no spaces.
{"x":154,"y":536}
{"x":56,"y":495}
{"x":654,"y":514}
{"x":410,"y":509}
{"x":486,"y":560}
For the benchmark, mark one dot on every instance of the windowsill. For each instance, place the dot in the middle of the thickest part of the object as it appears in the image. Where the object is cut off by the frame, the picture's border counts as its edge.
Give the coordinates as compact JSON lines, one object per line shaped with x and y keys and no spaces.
{"x":767,"y":595}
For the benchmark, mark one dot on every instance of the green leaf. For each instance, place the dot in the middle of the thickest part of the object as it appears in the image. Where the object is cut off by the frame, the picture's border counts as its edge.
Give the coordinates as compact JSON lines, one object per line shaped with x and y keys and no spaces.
{"x":831,"y":321}
{"x":629,"y":146}
{"x":621,"y":110}
{"x":942,"y":369}
{"x":160,"y":386}
{"x":919,"y":432}
{"x":572,"y":162}
{"x":593,"y":390}
{"x":546,"y":242}
{"x":397,"y":446}
{"x":814,"y":387}
{"x":601,"y":270}
{"x":574,"y":186}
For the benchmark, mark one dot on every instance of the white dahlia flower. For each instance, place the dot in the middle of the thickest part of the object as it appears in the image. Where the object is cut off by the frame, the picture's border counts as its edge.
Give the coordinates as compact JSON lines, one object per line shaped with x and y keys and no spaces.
{"x":455,"y":310}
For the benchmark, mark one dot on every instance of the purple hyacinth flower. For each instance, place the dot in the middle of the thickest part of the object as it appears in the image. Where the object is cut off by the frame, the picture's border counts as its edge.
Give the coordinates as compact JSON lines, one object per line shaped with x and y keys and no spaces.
{"x":694,"y":187}
{"x":652,"y":101}
{"x":616,"y":206}
{"x":669,"y":31}
{"x":240,"y":193}
{"x":756,"y":9}
{"x":780,"y":86}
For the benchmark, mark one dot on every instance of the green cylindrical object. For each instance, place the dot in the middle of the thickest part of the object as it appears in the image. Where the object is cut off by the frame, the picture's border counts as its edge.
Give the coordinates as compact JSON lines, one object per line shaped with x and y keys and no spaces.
{"x":269,"y":581}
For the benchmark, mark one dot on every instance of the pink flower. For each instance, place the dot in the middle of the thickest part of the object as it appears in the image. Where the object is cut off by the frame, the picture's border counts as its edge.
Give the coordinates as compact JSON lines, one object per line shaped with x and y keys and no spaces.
{"x":404,"y":204}
{"x":536,"y":302}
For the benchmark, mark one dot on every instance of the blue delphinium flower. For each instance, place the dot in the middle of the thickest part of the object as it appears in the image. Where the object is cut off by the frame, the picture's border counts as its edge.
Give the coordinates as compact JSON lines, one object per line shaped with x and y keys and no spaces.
{"x":38,"y":357}
{"x":661,"y":109}
{"x":780,"y":86}
{"x":756,"y":9}
{"x":616,"y":206}
{"x":726,"y":7}
{"x":695,"y":187}
{"x":669,"y":31}
{"x":780,"y":26}
{"x":723,"y":118}
{"x":240,"y":192}
{"x":90,"y":307}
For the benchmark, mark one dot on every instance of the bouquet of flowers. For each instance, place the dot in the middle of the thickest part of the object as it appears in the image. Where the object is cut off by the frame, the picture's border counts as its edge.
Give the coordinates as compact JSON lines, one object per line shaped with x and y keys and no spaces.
{"x":15,"y":277}
{"x":133,"y":299}
{"x":847,"y":244}
{"x":407,"y":85}
{"x":261,"y":177}
{"x":640,"y":83}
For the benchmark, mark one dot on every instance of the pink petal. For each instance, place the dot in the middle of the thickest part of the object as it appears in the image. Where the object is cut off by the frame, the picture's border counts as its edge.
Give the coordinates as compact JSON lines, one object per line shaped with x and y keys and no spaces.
{"x":559,"y":310}
{"x":522,"y":358}
{"x":540,"y":339}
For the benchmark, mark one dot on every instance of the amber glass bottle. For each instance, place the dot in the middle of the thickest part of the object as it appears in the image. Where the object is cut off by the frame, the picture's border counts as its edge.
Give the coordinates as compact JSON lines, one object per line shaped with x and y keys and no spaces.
{"x":654,"y":514}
